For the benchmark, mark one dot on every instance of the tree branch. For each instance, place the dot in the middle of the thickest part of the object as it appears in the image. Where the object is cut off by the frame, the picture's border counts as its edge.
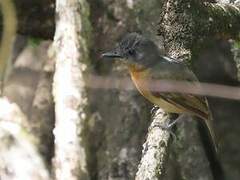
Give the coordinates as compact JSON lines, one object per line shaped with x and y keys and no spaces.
{"x":155,"y":150}
{"x":8,"y":34}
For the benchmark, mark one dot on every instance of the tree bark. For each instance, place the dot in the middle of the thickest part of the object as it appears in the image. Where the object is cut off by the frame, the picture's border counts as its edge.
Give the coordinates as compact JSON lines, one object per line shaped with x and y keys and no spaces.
{"x":71,"y":54}
{"x":42,"y":117}
{"x":155,"y":150}
{"x":196,"y":32}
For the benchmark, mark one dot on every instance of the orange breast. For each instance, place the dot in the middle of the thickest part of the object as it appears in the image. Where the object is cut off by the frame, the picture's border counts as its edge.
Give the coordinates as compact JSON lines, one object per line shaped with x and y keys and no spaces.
{"x":140,"y":76}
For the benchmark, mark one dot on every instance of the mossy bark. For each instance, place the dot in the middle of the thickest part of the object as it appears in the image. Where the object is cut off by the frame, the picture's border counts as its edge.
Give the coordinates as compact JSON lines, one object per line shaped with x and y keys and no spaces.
{"x":197,"y":33}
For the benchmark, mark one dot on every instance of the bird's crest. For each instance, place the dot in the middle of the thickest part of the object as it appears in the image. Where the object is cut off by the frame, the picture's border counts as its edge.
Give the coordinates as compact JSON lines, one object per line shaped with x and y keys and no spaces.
{"x":130,"y":41}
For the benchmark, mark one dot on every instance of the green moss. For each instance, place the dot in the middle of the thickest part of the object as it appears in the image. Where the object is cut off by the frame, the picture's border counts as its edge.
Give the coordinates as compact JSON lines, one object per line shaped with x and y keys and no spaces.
{"x":34,"y":42}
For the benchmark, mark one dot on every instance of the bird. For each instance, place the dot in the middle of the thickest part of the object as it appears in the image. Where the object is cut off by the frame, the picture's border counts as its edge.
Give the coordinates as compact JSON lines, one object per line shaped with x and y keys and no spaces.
{"x":147,"y":63}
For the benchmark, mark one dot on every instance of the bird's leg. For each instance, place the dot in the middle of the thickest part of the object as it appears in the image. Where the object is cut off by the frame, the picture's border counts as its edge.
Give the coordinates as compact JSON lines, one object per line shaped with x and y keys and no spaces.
{"x":172,"y":122}
{"x":169,"y":124}
{"x":154,"y":109}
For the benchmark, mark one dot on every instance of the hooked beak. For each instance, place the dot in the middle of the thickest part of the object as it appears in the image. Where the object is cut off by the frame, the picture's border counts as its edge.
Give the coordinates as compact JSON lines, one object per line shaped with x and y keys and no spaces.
{"x":112,"y":54}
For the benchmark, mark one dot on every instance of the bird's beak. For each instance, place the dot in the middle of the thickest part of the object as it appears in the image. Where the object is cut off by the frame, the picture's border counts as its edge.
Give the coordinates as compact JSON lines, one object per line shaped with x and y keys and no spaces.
{"x":115,"y":53}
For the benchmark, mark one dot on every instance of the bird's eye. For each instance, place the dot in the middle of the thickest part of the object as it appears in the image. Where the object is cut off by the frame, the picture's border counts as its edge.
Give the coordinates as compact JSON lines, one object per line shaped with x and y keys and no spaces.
{"x":131,"y":52}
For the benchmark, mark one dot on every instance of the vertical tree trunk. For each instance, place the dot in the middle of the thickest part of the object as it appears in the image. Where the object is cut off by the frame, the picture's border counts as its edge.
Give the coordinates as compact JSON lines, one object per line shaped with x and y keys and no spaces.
{"x":42,"y":119}
{"x":71,"y":55}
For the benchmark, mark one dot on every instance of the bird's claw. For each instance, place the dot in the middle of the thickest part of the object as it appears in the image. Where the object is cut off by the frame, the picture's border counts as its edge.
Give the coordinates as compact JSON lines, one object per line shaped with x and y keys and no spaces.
{"x":153,"y":110}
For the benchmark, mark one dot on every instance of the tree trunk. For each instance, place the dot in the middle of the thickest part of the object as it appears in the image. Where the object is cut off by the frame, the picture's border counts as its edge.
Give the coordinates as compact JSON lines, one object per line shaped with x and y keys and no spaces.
{"x":71,"y":56}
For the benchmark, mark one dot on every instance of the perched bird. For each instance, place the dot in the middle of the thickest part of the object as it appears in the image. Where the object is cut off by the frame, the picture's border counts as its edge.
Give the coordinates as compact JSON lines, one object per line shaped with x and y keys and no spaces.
{"x":146,"y":64}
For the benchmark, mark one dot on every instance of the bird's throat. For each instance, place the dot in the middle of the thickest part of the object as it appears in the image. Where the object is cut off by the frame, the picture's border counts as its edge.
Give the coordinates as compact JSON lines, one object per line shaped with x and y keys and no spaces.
{"x":136,"y":68}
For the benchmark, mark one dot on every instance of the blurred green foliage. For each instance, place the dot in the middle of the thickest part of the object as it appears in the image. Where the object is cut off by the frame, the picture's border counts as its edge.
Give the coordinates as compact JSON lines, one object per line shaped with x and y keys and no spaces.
{"x":34,"y":42}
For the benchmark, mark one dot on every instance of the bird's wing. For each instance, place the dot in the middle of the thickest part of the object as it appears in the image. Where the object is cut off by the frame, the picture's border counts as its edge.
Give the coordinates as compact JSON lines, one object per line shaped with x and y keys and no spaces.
{"x":193,"y":104}
{"x":179,"y":72}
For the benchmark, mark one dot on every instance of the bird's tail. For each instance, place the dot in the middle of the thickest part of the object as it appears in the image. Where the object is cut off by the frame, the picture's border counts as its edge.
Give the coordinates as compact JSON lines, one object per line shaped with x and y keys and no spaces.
{"x":211,"y":147}
{"x":208,"y":123}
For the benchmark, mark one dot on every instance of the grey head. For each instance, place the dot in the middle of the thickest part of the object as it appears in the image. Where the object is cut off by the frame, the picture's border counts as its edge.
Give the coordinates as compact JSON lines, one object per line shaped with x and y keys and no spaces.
{"x":135,"y":49}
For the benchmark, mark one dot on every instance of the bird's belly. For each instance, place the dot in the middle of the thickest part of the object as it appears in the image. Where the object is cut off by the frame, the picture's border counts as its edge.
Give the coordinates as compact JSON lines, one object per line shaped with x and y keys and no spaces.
{"x":161,"y":103}
{"x":143,"y":88}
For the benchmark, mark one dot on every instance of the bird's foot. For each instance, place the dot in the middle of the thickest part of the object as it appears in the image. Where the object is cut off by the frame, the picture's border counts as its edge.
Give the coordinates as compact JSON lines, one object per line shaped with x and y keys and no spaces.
{"x":154,"y":109}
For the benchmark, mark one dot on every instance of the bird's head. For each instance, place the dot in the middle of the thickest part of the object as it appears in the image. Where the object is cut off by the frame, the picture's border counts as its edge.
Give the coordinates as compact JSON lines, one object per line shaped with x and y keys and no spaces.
{"x":134,"y":49}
